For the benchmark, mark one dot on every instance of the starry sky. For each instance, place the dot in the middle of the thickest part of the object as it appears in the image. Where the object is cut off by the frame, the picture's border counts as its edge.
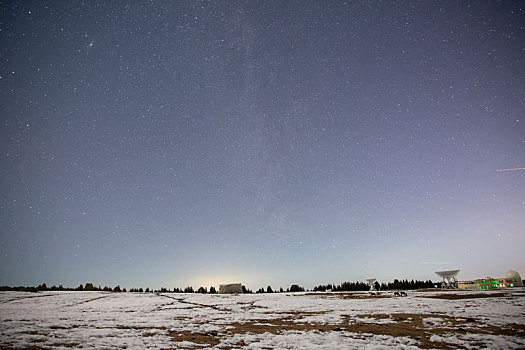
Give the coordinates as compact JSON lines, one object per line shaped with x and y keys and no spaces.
{"x":172,"y":143}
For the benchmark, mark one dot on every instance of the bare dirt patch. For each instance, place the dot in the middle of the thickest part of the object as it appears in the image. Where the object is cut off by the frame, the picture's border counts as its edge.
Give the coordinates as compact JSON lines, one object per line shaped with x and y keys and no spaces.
{"x":465,"y":296}
{"x":351,"y":295}
{"x":295,"y":314}
{"x":202,"y":339}
{"x":412,"y":326}
{"x":403,"y":325}
{"x":435,"y":290}
{"x":138,"y":327}
{"x":66,"y":345}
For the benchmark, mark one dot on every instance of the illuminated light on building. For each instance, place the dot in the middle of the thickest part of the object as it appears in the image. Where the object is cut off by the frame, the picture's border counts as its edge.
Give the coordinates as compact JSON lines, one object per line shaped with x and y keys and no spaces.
{"x":512,"y":279}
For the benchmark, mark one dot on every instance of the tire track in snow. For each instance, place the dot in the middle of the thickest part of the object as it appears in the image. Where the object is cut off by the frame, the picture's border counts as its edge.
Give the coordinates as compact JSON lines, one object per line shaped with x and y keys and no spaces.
{"x":27,"y":297}
{"x":183,"y":301}
{"x":88,"y":300}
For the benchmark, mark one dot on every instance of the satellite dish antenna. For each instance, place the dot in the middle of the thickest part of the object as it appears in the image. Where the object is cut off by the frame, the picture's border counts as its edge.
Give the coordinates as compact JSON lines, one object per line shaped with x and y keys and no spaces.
{"x":449,"y":279}
{"x":371,"y":282}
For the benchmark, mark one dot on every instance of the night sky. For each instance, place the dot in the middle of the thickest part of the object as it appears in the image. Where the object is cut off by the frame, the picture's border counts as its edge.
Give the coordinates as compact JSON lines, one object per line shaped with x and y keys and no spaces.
{"x":170,"y":143}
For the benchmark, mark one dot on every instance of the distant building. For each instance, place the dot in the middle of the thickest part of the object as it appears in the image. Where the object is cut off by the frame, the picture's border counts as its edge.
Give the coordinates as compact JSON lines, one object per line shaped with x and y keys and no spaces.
{"x":233,"y":288}
{"x":512,"y":279}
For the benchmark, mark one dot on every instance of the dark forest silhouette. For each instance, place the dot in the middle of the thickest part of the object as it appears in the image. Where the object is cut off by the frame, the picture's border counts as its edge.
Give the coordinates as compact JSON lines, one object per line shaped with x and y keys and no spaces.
{"x":343,"y":287}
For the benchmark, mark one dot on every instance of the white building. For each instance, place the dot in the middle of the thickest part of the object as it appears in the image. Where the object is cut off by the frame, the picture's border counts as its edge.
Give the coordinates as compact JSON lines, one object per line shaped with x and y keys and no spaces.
{"x":232,"y":288}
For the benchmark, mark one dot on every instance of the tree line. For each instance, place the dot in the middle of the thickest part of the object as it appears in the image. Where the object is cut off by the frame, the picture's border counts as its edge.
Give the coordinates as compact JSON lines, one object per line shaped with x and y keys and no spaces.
{"x":360,"y":286}
{"x":406,"y":284}
{"x":44,"y":288}
{"x":343,"y":287}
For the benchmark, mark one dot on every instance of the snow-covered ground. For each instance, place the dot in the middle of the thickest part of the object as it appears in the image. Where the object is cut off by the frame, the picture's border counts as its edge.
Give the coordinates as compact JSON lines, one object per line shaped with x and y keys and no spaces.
{"x":295,"y":320}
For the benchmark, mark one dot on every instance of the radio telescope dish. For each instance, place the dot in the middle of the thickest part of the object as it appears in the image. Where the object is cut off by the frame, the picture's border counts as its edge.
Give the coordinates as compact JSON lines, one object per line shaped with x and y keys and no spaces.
{"x":371,"y":282}
{"x":449,"y":278}
{"x":447,"y":273}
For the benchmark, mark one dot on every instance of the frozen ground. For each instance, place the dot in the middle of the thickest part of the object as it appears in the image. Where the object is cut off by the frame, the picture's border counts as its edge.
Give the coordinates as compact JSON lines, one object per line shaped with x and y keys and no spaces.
{"x":459,"y":319}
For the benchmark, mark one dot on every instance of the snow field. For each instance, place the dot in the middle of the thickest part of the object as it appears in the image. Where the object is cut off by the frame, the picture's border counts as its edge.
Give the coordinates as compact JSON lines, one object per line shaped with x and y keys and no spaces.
{"x":253,"y":321}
